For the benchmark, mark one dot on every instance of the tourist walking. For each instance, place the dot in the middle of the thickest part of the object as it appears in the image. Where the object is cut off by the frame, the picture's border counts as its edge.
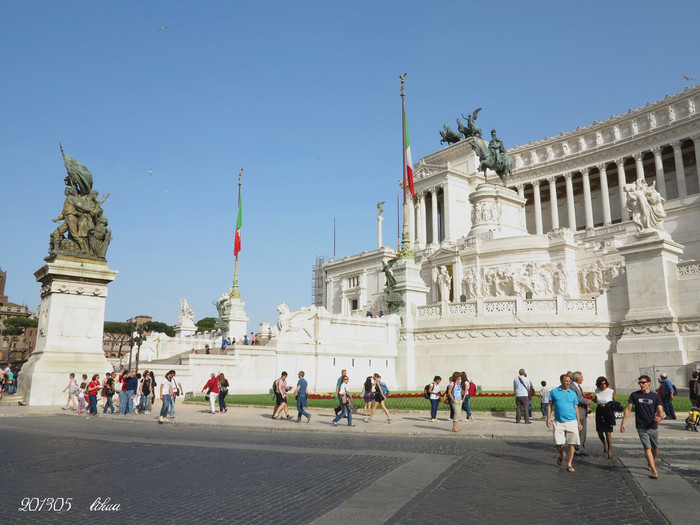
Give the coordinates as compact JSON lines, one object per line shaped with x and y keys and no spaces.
{"x":281,"y":396}
{"x":434,"y":393}
{"x":338,"y":408}
{"x":648,"y":413}
{"x":380,"y":393}
{"x":367,"y":396}
{"x":345,"y":402}
{"x":468,"y":390}
{"x":108,"y":394}
{"x":522,"y":387}
{"x":454,"y":394}
{"x":301,"y":392}
{"x":167,"y":394}
{"x":130,"y":386}
{"x":177,"y":392}
{"x":691,"y":389}
{"x":72,"y":389}
{"x":584,"y":408}
{"x":145,"y":389}
{"x":667,"y":393}
{"x":564,"y":403}
{"x":81,"y":397}
{"x":544,"y":399}
{"x":212,"y":391}
{"x":223,"y":392}
{"x":604,"y":413}
{"x":92,"y":390}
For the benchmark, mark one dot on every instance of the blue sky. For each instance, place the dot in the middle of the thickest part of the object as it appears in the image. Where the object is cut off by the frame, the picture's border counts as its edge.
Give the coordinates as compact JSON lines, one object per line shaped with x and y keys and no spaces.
{"x":305,"y":97}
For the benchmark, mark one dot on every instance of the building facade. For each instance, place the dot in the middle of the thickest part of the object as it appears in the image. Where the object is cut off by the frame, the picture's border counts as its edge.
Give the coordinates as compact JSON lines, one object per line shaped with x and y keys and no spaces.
{"x":542,"y":279}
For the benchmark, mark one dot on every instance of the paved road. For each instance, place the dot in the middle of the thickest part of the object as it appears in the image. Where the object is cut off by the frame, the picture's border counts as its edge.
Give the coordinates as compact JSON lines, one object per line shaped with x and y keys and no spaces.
{"x":200,"y":474}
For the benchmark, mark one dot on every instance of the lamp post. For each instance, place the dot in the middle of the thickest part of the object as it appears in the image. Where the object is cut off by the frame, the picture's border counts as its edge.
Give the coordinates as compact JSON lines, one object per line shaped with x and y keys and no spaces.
{"x":137,"y":339}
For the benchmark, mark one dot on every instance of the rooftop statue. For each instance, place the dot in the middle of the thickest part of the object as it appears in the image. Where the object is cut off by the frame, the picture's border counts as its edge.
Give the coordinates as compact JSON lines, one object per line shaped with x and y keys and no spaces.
{"x":471,"y":130}
{"x":493,"y":156}
{"x":646,"y":206}
{"x":449,"y":136}
{"x":84,"y":230}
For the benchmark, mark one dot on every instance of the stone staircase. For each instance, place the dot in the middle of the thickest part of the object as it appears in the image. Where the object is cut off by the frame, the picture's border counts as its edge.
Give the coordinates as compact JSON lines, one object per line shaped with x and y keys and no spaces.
{"x":8,"y":399}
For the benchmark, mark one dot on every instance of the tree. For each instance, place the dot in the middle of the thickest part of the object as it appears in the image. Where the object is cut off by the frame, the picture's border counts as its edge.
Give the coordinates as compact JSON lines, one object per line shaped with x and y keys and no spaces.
{"x":156,"y":326}
{"x":13,"y":327}
{"x":118,"y":334}
{"x":206,"y":324}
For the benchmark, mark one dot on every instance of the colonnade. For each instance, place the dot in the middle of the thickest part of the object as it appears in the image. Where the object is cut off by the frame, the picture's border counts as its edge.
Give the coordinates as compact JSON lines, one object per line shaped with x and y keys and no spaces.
{"x":429,"y":220}
{"x":604,"y":212}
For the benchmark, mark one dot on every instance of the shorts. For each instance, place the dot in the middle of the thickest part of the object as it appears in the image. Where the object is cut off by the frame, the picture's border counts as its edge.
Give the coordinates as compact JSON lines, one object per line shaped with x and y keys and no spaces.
{"x":368,"y":398}
{"x":566,"y":432}
{"x":279,"y":399}
{"x":649,"y":438}
{"x":378,"y":397}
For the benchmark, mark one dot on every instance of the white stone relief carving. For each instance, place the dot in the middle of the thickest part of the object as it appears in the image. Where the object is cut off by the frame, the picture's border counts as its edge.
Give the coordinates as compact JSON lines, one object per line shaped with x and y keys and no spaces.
{"x":652,"y":120}
{"x":462,"y":308}
{"x":691,"y":106}
{"x":428,"y":312}
{"x":596,"y":277}
{"x":689,"y":268}
{"x":539,"y":305}
{"x":671,"y":114}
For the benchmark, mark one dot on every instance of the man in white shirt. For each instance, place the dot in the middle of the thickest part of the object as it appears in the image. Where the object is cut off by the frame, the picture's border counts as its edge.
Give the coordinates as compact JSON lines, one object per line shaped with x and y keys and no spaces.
{"x":167,"y":394}
{"x":521,"y":388}
{"x":584,"y":407}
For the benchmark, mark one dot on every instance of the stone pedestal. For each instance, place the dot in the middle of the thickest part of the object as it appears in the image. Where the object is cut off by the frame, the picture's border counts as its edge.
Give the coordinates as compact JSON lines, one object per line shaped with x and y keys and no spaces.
{"x":650,"y":333}
{"x":414,"y":292}
{"x":185,"y":328}
{"x":497,"y":212}
{"x":235,"y":319}
{"x":70,"y":332}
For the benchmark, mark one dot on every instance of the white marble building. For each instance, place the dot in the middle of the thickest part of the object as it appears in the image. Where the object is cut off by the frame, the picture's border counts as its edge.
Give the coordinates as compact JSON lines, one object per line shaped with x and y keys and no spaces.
{"x":552,"y":291}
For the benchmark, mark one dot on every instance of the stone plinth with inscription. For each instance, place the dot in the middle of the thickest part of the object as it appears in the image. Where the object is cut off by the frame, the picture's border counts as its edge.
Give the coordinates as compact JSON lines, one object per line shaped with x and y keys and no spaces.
{"x":70,"y":331}
{"x":497,"y":212}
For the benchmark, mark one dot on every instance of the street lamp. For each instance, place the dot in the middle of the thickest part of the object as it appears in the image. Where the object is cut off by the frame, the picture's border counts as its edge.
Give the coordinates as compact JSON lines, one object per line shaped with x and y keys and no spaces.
{"x":136,"y":339}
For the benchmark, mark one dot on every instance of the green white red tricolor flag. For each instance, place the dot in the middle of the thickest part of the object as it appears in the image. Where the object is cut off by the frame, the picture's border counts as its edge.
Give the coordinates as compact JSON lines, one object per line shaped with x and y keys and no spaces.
{"x":239,"y":221}
{"x":407,"y":154}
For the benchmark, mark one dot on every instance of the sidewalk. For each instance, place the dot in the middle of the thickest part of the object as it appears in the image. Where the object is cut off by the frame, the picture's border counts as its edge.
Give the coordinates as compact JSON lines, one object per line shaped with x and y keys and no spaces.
{"x":405,"y":423}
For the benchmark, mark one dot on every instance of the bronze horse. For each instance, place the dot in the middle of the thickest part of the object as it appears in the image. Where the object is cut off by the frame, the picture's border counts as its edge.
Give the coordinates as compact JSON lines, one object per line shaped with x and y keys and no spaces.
{"x":488,"y":161}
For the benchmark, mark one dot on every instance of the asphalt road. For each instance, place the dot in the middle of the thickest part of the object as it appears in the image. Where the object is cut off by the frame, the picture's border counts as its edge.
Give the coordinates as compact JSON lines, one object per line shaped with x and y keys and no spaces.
{"x":190,"y":474}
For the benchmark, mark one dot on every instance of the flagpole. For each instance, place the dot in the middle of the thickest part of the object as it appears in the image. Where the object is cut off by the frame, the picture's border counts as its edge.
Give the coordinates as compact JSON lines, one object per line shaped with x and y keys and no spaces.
{"x":235,"y":292}
{"x":406,"y":252}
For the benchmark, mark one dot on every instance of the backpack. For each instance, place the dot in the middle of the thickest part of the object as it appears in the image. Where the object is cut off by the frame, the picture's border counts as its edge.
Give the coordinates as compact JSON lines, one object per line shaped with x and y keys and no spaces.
{"x":426,"y":391}
{"x":274,"y":386}
{"x":472,"y":388}
{"x":385,"y":389}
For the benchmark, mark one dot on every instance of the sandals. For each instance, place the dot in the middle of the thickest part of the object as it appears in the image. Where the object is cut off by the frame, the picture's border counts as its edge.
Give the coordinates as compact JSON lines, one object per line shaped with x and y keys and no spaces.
{"x":570,"y":469}
{"x":560,"y":461}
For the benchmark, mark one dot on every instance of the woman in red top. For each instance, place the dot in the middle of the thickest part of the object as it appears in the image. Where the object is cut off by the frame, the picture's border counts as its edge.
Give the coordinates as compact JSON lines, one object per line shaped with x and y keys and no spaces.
{"x":213,"y":387}
{"x":93,"y":388}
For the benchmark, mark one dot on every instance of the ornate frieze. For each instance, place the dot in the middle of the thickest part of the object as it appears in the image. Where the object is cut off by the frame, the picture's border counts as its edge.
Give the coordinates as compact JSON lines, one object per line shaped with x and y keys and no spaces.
{"x":688,"y":268}
{"x":72,"y":288}
{"x":513,"y":333}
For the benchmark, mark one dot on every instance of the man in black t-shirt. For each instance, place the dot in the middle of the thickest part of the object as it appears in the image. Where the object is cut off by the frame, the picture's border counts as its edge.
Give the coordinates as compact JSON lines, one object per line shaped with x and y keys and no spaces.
{"x":648,"y":413}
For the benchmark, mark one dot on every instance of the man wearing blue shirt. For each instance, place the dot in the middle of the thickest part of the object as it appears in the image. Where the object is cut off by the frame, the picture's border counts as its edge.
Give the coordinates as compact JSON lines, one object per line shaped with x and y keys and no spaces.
{"x":667,"y":392}
{"x":564,"y":402}
{"x":302,"y":397}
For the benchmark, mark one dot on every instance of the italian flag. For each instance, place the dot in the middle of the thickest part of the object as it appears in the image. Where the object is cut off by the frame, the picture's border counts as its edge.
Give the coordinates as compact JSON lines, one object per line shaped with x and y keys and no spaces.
{"x":239,"y":221}
{"x":407,"y":156}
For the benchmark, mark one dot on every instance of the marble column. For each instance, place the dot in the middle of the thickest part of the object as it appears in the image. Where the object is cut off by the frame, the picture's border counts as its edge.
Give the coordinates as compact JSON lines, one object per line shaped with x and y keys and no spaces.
{"x":605,"y":194}
{"x":587,"y":203}
{"x":639,"y":165}
{"x":570,"y":204}
{"x":446,"y":212}
{"x":696,"y":144}
{"x":680,"y":170}
{"x":434,"y":215}
{"x":660,"y":177}
{"x":423,"y":220}
{"x":538,"y":207}
{"x":554,"y":208}
{"x":621,"y":181}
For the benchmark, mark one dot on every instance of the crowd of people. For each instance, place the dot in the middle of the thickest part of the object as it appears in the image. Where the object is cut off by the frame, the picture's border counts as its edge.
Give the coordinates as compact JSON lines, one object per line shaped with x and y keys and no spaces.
{"x":8,"y":380}
{"x":565,"y":408}
{"x":126,"y":393}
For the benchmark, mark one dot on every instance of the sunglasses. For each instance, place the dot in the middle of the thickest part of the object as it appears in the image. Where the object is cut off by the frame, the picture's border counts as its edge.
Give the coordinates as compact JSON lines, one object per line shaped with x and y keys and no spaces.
{"x":643,"y":382}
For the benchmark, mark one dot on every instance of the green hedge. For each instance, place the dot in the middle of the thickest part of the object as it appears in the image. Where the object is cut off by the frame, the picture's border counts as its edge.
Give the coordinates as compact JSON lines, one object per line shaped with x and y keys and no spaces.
{"x":479,"y":403}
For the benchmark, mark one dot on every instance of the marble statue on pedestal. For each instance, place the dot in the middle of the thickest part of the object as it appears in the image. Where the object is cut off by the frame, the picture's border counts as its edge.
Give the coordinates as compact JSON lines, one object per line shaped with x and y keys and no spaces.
{"x":444,"y":280}
{"x":646,"y":206}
